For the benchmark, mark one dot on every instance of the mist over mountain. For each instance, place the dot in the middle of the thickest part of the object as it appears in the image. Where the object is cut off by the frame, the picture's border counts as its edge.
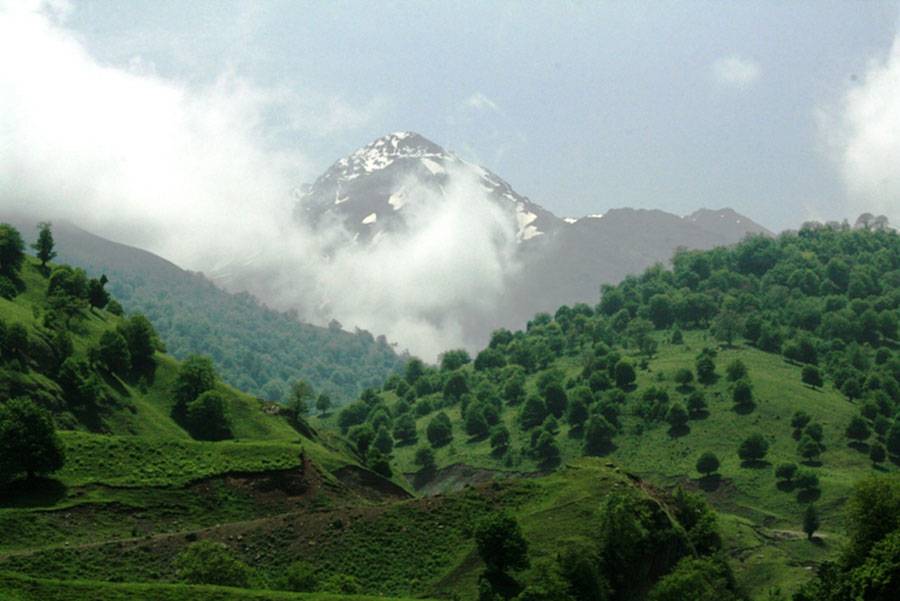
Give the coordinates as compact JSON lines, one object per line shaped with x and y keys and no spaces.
{"x":441,"y":251}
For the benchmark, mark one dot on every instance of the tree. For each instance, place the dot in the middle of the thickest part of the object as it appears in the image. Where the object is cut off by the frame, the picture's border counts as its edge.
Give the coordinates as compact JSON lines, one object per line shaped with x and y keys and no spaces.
{"x":405,"y":428}
{"x":113,"y":352}
{"x":207,"y":562}
{"x":300,"y":397}
{"x":499,"y":439}
{"x":489,"y":358}
{"x":625,"y":374}
{"x":806,"y":480}
{"x":98,"y":297}
{"x":12,"y":251}
{"x":424,"y":459}
{"x":707,"y":464}
{"x":533,"y":413}
{"x":810,"y":521}
{"x":383,"y":441}
{"x":597,"y":435}
{"x":555,"y":399}
{"x":684,"y":377}
{"x":43,"y":246}
{"x":786,"y":471}
{"x":142,"y":340}
{"x":706,"y":369}
{"x":892,"y":440}
{"x":742,"y":393}
{"x":753,"y":449}
{"x":439,"y":430}
{"x":323,"y":403}
{"x":195,"y":376}
{"x":475,"y":422}
{"x":454,"y":359}
{"x":696,"y":403}
{"x":414,"y":370}
{"x":28,"y":440}
{"x":809,"y":448}
{"x":456,"y":386}
{"x":799,"y":421}
{"x":378,"y":462}
{"x":579,"y":405}
{"x":677,"y":416}
{"x":78,"y":383}
{"x":500,"y":544}
{"x":736,"y":370}
{"x":207,"y":416}
{"x":811,"y":376}
{"x":858,"y":429}
{"x":727,"y":326}
{"x":546,"y":449}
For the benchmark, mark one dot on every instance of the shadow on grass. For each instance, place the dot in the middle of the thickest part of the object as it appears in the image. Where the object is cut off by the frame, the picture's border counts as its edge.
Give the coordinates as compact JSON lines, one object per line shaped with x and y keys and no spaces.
{"x":699,"y":415}
{"x":601,"y":450}
{"x":811,"y":463}
{"x":744,"y":408}
{"x":786,"y":485}
{"x":858,"y":445}
{"x":36,"y":492}
{"x":710,"y":483}
{"x":405,"y":442}
{"x":679,"y":431}
{"x":476,"y":438}
{"x":576,"y":432}
{"x":756,"y":464}
{"x":808,"y":495}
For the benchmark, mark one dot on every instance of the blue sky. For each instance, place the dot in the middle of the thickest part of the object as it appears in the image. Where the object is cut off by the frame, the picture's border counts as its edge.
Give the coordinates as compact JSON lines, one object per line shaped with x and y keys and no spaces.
{"x":581,"y":106}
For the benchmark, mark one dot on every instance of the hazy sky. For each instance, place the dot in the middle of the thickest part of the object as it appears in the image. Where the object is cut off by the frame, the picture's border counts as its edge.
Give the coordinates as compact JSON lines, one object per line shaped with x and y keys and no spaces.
{"x":581,"y":106}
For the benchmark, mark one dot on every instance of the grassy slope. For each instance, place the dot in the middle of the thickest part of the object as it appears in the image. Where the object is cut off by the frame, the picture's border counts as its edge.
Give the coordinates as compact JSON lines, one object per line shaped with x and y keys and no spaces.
{"x":417,"y":547}
{"x":15,"y":587}
{"x":140,"y":410}
{"x":762,"y":523}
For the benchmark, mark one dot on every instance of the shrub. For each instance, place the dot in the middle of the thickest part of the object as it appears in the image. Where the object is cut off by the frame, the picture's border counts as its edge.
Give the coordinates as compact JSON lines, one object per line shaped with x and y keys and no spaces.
{"x":439,"y":430}
{"x":206,"y":562}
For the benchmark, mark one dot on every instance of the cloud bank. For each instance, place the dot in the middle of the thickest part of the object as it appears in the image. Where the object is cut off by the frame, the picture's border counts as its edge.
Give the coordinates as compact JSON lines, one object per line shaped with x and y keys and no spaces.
{"x":864,"y":134}
{"x":199,"y":176}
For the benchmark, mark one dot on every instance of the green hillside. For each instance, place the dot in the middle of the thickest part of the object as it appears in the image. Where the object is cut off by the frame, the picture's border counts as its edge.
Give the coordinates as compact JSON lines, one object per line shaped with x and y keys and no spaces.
{"x":792,"y":339}
{"x":256,"y":349}
{"x":724,"y":430}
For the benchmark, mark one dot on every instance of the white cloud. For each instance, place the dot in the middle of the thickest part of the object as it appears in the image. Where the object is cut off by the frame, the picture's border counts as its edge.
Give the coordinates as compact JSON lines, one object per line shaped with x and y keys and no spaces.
{"x":198,"y":175}
{"x":736,"y":71}
{"x":481,"y":102}
{"x":864,"y":136}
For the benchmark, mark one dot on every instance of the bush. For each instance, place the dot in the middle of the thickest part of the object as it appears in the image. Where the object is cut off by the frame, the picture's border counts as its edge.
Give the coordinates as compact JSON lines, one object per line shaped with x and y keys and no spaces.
{"x":206,"y":562}
{"x":811,"y":376}
{"x":299,"y":577}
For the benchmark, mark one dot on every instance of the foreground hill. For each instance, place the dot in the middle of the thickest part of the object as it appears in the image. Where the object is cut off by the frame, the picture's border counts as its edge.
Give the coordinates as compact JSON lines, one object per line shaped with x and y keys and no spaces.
{"x":257,"y":350}
{"x":778,"y":357}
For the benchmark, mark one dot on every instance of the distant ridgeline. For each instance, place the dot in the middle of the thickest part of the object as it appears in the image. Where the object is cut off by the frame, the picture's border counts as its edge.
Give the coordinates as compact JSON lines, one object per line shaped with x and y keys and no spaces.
{"x":256,"y":349}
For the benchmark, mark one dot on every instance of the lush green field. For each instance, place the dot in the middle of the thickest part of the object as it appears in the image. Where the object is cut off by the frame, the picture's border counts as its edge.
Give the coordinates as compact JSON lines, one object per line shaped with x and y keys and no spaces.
{"x":15,"y":587}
